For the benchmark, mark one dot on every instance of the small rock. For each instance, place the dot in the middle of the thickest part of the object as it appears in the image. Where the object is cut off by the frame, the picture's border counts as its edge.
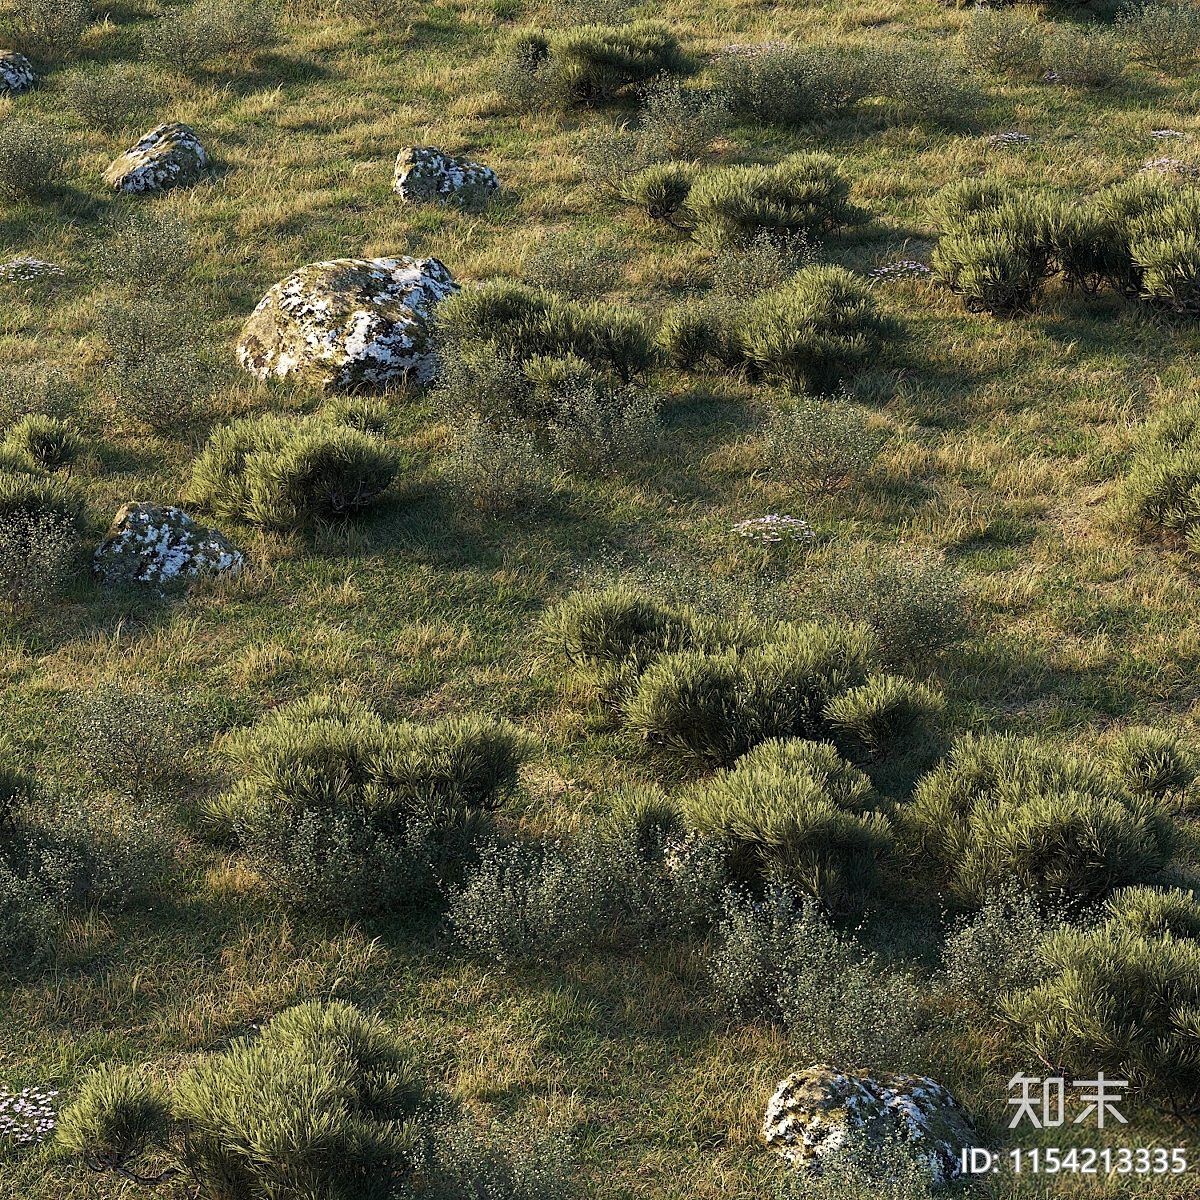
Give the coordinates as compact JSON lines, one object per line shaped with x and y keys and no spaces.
{"x":813,"y":1112}
{"x":16,"y":72}
{"x":424,"y":173}
{"x":150,"y":543}
{"x":348,"y":323}
{"x":165,"y":157}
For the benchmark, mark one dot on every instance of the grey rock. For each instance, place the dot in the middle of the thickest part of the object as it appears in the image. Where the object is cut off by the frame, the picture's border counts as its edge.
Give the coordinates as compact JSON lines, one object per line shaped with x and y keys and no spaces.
{"x":151,"y":543}
{"x":168,"y":156}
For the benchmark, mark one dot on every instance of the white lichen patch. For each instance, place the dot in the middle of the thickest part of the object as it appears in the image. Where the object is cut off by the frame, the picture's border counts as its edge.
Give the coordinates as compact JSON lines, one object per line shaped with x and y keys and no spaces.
{"x":16,"y":72}
{"x":424,"y":174}
{"x":813,"y":1112}
{"x":348,"y":323}
{"x":21,"y":270}
{"x":149,"y":543}
{"x":169,"y":156}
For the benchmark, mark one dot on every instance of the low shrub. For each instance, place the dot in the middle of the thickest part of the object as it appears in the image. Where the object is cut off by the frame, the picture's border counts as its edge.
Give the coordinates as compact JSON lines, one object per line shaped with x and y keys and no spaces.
{"x":596,"y":429}
{"x":678,"y":123}
{"x":712,"y":707}
{"x":147,"y":252}
{"x":32,"y":495}
{"x":48,"y":31}
{"x":499,"y":471}
{"x":1150,"y":762}
{"x":794,"y":85}
{"x":578,"y":269}
{"x":1159,"y":496}
{"x":48,"y":442}
{"x":1086,"y":60}
{"x":920,"y":86}
{"x":1121,"y":999}
{"x":519,"y":323}
{"x":905,"y":594}
{"x":36,"y":552}
{"x":1164,"y":242}
{"x":996,"y":250}
{"x":367,"y":414}
{"x":322,"y":1102}
{"x":1002,"y":810}
{"x":135,"y":739}
{"x":803,"y":193}
{"x":186,"y":38}
{"x":793,"y":813}
{"x":283,"y":472}
{"x":114,"y":99}
{"x":602,"y":887}
{"x":346,"y":815}
{"x":595,"y":63}
{"x":825,"y":446}
{"x":1003,"y":42}
{"x":779,"y":959}
{"x":812,"y":332}
{"x":1166,"y":36}
{"x":32,"y":156}
{"x":661,"y":191}
{"x":885,"y":713}
{"x":766,"y":262}
{"x":27,"y":922}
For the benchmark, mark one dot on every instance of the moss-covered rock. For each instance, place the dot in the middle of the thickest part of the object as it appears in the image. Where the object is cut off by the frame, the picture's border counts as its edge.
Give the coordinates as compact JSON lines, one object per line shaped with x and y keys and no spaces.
{"x":348,"y":323}
{"x":16,"y":72}
{"x":815,"y":1112}
{"x":149,"y":543}
{"x":169,"y":156}
{"x":424,"y":174}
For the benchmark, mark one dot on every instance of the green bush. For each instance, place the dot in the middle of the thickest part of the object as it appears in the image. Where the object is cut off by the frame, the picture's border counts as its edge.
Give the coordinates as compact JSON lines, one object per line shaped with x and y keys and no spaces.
{"x":779,"y":959}
{"x":1003,"y":42}
{"x":146,"y":252}
{"x":32,"y":156}
{"x":713,"y":707}
{"x":499,"y":471}
{"x":1122,"y":999}
{"x":114,"y":99}
{"x":678,"y":123}
{"x":595,"y":63}
{"x":367,"y":414}
{"x":1150,"y":762}
{"x":1165,"y":36}
{"x":792,"y":813}
{"x":573,"y":266}
{"x":519,"y":323}
{"x":1087,"y":60}
{"x":284,"y":472}
{"x":1164,"y":242}
{"x":1161,"y":492}
{"x":27,"y":922}
{"x":344,"y":814}
{"x":812,"y":332}
{"x":920,"y":86}
{"x":118,"y":1113}
{"x":48,"y":31}
{"x":1004,"y":811}
{"x":594,"y":428}
{"x":47,"y":441}
{"x":885,"y":712}
{"x":996,"y":250}
{"x":794,"y":85}
{"x":40,"y":496}
{"x":186,"y":38}
{"x":35,"y":557}
{"x":825,"y":446}
{"x":766,"y":262}
{"x":805,"y":192}
{"x":661,"y":191}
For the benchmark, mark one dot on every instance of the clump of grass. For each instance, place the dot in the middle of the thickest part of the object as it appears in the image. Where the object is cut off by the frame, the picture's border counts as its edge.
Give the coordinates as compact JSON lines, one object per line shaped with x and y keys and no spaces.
{"x":48,"y":442}
{"x":1150,"y":762}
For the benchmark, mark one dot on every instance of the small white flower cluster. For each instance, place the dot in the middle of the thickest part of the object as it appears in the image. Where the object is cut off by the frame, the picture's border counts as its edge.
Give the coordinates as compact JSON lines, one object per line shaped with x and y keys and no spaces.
{"x":906,"y":268}
{"x":1164,"y":166}
{"x":1012,"y":138}
{"x":21,"y":269}
{"x":1167,"y":133}
{"x":774,"y":528}
{"x":26,"y":1117}
{"x":1052,"y":77}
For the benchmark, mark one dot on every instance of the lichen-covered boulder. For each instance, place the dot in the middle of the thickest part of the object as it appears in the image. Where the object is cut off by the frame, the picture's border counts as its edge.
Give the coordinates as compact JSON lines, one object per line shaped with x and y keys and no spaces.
{"x":151,"y":543}
{"x":169,"y":156}
{"x":16,"y":72}
{"x":813,"y":1112}
{"x":348,"y":323}
{"x":424,"y":174}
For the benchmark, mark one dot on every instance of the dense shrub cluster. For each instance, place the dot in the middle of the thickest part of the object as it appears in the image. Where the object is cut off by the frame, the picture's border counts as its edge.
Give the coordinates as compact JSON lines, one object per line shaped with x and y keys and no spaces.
{"x":48,"y":31}
{"x":187,"y":37}
{"x":807,"y":334}
{"x":1122,"y":998}
{"x":117,"y":98}
{"x":32,"y":157}
{"x":284,"y":472}
{"x":344,"y":814}
{"x":589,"y":64}
{"x":1000,"y":246}
{"x":823,"y":446}
{"x":1002,"y":811}
{"x":1166,"y":36}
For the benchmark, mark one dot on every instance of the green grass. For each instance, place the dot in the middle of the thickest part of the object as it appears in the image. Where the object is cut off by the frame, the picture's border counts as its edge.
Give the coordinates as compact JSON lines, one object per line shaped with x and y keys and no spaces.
{"x":1009,"y":437}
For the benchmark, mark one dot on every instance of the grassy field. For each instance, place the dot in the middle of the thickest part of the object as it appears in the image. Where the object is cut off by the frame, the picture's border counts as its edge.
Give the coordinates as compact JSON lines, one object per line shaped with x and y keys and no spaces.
{"x":1006,"y":438}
